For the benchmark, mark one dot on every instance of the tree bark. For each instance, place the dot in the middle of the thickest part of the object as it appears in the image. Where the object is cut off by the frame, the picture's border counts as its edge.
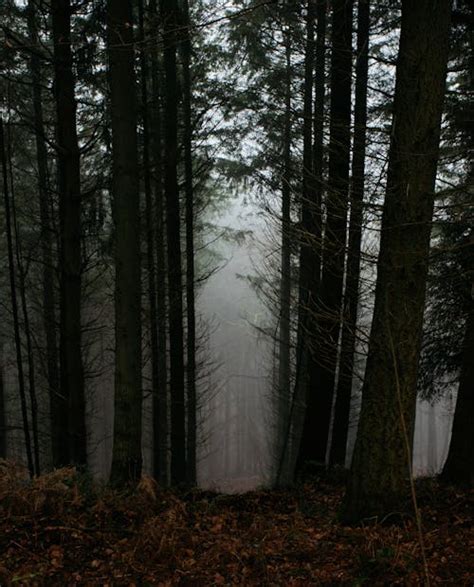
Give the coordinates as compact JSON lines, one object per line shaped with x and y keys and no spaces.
{"x":189,"y":214}
{"x":326,"y":310}
{"x":351,"y":297}
{"x":49,"y":316}
{"x":26,"y":318}
{"x":175,"y":293}
{"x":157,"y":384}
{"x":14,"y":302}
{"x":127,"y":455}
{"x":3,"y":419}
{"x":459,"y":467}
{"x":71,"y":366}
{"x":283,"y":429}
{"x":160,"y":401}
{"x":382,"y":454}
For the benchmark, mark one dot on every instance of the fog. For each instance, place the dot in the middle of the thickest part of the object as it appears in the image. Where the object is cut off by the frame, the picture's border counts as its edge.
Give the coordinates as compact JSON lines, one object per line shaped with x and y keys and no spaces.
{"x":236,"y":445}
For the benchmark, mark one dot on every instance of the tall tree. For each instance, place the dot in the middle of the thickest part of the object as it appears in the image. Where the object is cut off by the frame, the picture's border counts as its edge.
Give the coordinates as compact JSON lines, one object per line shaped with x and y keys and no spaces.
{"x":20,"y":266}
{"x":158,"y":380}
{"x":186,"y":50}
{"x":382,"y":454}
{"x":459,"y":468}
{"x":127,"y":459}
{"x":69,"y":187}
{"x":284,"y":356}
{"x":169,"y":13}
{"x":351,"y":296}
{"x":328,"y":304}
{"x":14,"y":302}
{"x":49,"y":316}
{"x":160,"y":401}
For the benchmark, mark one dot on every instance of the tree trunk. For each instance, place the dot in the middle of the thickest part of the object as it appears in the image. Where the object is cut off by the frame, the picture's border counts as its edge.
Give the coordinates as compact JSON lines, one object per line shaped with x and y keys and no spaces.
{"x":382,"y":454}
{"x":26,"y":318}
{"x":49,"y":317}
{"x":71,"y":366}
{"x":160,"y":401}
{"x":14,"y":302}
{"x":127,"y":456}
{"x":3,"y":419}
{"x":283,"y":429}
{"x":327,"y":306}
{"x":157,"y":383}
{"x":189,"y":209}
{"x":175,"y":293}
{"x":351,"y":298}
{"x":459,"y":466}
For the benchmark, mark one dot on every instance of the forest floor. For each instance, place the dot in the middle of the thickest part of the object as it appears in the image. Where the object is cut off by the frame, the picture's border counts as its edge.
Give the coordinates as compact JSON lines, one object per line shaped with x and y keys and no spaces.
{"x":61,"y":530}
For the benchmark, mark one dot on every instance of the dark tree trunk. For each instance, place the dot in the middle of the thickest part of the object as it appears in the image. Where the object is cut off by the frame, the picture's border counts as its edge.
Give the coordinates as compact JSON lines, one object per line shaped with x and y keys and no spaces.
{"x":26,"y":319}
{"x":189,"y":209}
{"x":14,"y":302}
{"x":158,"y":386}
{"x":351,"y":297}
{"x":382,"y":454}
{"x":175,"y":293}
{"x":283,"y":428}
{"x":3,"y":419}
{"x":160,"y":401}
{"x":459,"y":466}
{"x":309,"y":248}
{"x":327,"y":306}
{"x":127,"y":459}
{"x":71,"y":367}
{"x":49,"y":317}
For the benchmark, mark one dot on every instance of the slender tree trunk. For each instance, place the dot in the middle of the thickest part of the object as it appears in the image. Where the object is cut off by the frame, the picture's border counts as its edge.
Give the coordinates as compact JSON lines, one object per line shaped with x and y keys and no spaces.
{"x":14,"y":302}
{"x":326,"y":310}
{"x":160,"y":402}
{"x":3,"y":419}
{"x":349,"y":324}
{"x":49,"y":317}
{"x":284,"y":358}
{"x":157,"y":385}
{"x":459,"y":468}
{"x":26,"y":319}
{"x":309,"y":253}
{"x":382,"y":454}
{"x":71,"y":366}
{"x":175,"y":293}
{"x":189,"y":210}
{"x":127,"y":454}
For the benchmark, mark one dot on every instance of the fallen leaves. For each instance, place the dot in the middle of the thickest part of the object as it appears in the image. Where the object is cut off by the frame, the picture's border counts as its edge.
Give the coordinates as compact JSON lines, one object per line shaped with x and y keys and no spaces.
{"x":59,"y":530}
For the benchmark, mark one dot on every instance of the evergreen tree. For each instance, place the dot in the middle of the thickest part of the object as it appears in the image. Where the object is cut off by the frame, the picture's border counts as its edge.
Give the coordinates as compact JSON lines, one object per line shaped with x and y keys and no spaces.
{"x":382,"y":456}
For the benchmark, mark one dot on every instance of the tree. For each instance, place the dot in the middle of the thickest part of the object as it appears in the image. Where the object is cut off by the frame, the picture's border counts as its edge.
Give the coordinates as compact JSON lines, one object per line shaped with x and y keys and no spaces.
{"x":189,"y":214}
{"x":382,"y":454}
{"x":328,"y":304}
{"x":127,"y":459}
{"x":173,"y":226}
{"x":49,"y":295}
{"x":459,"y":466}
{"x":14,"y":302}
{"x":351,"y":295}
{"x":74,"y":448}
{"x":160,"y":401}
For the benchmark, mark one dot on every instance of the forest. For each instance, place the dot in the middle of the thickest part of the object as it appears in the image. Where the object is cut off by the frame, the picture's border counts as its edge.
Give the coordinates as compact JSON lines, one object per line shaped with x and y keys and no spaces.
{"x":236,"y":292}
